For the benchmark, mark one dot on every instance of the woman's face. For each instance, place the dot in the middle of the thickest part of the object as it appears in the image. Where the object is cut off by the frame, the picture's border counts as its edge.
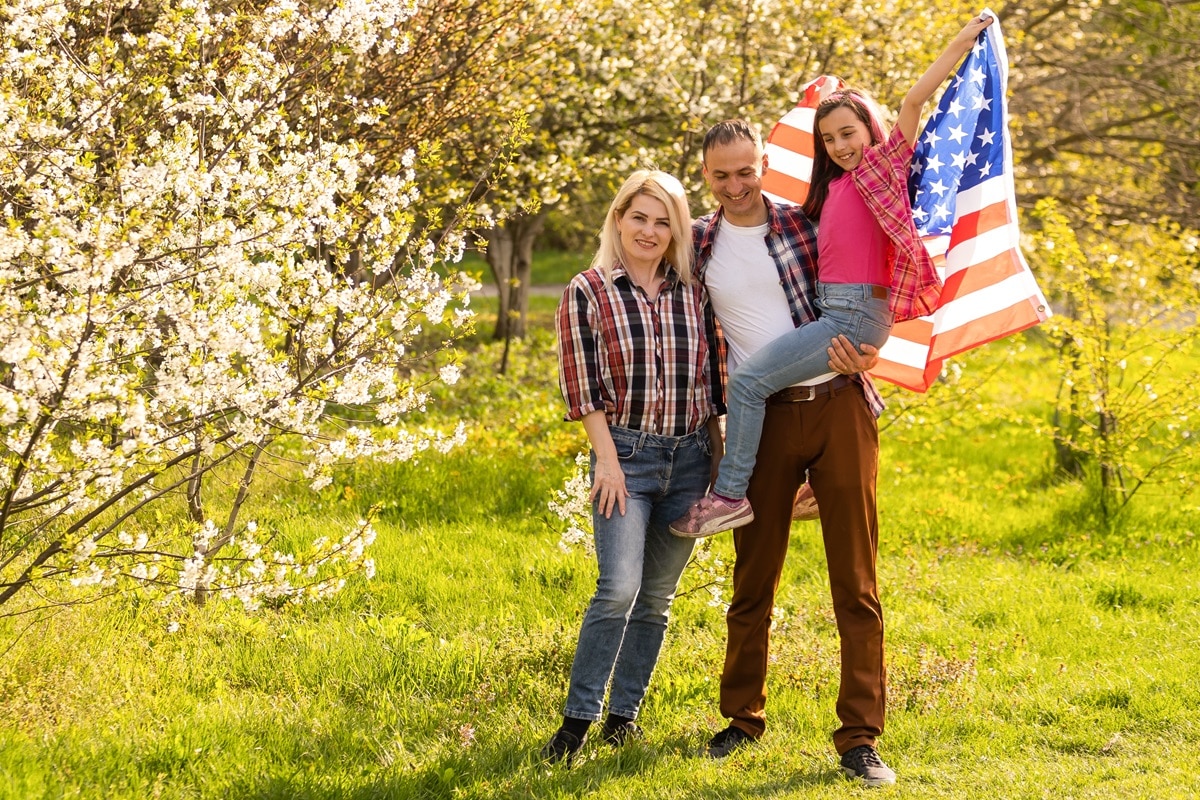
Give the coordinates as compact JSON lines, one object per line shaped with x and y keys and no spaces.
{"x":845,"y":137}
{"x":645,"y":230}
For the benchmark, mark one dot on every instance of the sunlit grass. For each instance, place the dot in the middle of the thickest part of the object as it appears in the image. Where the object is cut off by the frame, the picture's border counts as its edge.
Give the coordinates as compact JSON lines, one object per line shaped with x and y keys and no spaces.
{"x":1029,"y":655}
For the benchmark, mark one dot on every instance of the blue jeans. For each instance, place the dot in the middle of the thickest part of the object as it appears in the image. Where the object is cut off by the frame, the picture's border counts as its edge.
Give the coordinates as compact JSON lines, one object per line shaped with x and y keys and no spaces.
{"x":640,"y":564}
{"x":796,"y":356}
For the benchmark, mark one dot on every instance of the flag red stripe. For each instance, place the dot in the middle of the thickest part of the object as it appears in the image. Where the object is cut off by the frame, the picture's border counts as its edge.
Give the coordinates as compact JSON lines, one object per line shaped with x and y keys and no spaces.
{"x":982,"y":275}
{"x":914,"y":330}
{"x":968,"y":226}
{"x":785,"y":186}
{"x":907,"y":377}
{"x":986,"y":328}
{"x":794,"y":139}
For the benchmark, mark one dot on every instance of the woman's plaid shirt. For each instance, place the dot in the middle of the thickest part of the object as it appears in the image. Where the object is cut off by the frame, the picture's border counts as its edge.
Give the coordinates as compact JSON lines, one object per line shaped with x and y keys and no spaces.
{"x":650,"y":366}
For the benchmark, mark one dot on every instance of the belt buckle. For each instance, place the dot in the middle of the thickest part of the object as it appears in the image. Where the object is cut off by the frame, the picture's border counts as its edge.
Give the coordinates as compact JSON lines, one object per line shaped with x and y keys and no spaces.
{"x":811,"y":394}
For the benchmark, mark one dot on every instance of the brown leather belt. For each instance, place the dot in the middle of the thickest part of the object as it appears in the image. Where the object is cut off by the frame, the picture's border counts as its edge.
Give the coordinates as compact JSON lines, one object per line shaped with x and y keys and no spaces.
{"x":879,"y":292}
{"x":802,"y":394}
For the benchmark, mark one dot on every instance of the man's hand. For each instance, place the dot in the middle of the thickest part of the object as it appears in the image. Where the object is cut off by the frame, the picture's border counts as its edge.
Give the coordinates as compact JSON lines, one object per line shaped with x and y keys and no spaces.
{"x":845,"y":359}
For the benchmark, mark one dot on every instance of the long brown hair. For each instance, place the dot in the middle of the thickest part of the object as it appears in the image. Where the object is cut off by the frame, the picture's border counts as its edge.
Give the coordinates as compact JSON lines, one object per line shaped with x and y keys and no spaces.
{"x":824,"y":169}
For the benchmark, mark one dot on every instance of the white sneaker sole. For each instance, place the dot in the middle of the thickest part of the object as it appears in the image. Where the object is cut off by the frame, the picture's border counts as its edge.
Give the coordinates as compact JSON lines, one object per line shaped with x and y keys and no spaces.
{"x":734,"y":520}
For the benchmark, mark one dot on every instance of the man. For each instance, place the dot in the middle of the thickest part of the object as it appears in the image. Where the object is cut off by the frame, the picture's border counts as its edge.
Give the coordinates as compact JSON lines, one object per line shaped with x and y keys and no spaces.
{"x":758,"y":262}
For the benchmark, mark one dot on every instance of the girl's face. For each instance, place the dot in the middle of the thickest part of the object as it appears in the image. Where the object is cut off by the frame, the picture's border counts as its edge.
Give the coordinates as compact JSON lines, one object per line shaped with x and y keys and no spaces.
{"x":845,"y":137}
{"x":645,"y":230}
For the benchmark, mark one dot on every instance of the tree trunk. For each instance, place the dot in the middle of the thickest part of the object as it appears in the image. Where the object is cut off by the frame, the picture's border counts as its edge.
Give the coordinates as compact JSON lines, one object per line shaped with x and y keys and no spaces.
{"x":510,"y":255}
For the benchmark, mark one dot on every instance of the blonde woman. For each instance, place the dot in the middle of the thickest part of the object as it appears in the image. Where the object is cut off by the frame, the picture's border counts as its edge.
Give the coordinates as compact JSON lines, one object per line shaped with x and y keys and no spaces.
{"x":638,"y":367}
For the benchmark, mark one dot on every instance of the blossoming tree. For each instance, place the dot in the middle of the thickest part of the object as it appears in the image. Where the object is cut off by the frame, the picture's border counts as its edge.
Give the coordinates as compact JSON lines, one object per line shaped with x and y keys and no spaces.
{"x":196,"y":262}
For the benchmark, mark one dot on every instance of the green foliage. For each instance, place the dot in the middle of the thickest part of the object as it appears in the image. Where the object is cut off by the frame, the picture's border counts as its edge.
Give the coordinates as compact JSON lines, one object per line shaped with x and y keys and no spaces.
{"x":551,"y":267}
{"x":1125,"y":411}
{"x":1028,"y":648}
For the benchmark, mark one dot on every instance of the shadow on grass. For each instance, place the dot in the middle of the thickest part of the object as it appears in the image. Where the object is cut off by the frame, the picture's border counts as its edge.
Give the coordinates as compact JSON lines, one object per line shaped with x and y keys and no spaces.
{"x":510,"y":774}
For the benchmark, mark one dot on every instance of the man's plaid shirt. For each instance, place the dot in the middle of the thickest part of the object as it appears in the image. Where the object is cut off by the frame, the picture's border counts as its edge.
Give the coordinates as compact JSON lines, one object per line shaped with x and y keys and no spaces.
{"x":792,"y":242}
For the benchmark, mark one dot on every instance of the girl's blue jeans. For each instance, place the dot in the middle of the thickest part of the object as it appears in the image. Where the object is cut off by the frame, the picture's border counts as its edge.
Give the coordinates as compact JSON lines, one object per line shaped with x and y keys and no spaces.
{"x":640,"y":564}
{"x":800,"y":355}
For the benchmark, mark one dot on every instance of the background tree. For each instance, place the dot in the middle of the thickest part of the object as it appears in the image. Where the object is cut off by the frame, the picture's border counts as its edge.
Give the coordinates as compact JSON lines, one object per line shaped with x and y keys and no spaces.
{"x":1123,"y":419}
{"x":182,"y":196}
{"x":1106,"y":105}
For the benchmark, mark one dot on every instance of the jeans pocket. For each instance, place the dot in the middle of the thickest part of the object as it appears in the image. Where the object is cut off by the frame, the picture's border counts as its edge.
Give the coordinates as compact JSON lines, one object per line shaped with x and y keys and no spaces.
{"x":871,"y":331}
{"x":627,"y":445}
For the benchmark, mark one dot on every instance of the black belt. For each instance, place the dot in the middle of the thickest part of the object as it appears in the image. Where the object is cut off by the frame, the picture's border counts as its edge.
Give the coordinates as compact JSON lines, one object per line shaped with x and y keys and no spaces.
{"x":802,"y":394}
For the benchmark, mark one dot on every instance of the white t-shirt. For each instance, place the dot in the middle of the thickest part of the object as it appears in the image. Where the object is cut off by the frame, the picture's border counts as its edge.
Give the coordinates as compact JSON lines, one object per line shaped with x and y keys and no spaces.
{"x":746,"y":293}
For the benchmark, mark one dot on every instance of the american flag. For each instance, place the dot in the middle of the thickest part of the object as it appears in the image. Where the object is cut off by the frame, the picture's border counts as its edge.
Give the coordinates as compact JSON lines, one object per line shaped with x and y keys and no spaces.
{"x":961,"y":182}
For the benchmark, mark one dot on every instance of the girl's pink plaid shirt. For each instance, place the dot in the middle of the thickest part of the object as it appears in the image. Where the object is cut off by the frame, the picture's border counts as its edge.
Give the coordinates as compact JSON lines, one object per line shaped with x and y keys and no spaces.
{"x":882,"y":182}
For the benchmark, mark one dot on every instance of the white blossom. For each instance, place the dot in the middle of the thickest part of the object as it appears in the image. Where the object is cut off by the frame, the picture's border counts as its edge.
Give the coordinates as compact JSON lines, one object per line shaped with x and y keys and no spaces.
{"x":173,"y":201}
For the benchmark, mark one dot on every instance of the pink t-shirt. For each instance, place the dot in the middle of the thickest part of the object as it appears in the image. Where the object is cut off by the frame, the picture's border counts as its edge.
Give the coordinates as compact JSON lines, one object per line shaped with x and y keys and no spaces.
{"x":851,"y":245}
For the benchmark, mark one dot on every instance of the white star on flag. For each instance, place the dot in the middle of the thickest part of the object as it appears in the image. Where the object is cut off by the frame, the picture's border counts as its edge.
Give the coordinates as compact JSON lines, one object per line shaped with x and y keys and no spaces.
{"x":966,"y":214}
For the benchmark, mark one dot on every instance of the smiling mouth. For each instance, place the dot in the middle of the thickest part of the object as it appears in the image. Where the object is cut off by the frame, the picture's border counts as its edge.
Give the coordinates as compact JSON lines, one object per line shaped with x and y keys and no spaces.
{"x":738,"y":197}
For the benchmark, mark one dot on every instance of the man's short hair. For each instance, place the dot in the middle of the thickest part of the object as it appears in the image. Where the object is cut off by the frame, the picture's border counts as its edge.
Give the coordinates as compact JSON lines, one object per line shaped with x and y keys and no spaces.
{"x":730,"y":131}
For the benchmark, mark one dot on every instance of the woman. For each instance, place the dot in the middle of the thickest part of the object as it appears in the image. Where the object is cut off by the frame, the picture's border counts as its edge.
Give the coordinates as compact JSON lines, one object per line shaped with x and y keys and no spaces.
{"x":637,"y":365}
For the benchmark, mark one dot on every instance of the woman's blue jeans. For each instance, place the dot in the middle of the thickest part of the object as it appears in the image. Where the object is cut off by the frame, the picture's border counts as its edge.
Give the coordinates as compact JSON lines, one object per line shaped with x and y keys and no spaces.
{"x":799,"y":355}
{"x":640,"y":564}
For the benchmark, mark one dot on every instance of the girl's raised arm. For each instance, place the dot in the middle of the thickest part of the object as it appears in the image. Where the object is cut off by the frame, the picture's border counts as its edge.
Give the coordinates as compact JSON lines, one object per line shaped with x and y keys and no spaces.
{"x":927,"y":84}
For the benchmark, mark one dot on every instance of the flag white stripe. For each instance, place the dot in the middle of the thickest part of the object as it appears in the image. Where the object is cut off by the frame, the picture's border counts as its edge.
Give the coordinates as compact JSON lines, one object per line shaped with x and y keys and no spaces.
{"x":789,"y":162}
{"x":965,"y":309}
{"x":936,"y":245}
{"x":905,"y":352}
{"x":988,"y":193}
{"x":777,"y":199}
{"x":982,"y":247}
{"x":799,"y":118}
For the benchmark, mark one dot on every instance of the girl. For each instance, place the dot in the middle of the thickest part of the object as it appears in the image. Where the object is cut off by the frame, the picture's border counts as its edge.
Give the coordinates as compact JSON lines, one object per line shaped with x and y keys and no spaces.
{"x":872,"y":268}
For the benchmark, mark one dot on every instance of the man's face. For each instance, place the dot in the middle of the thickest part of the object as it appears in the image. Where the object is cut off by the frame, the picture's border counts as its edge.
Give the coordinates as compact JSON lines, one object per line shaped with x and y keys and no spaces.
{"x":734,"y":174}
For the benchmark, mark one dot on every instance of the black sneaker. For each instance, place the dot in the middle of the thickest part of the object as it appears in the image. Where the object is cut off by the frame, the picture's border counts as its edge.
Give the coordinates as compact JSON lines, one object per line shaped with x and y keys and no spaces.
{"x":618,"y":735}
{"x":863,"y":762}
{"x":727,"y":741}
{"x":562,"y":747}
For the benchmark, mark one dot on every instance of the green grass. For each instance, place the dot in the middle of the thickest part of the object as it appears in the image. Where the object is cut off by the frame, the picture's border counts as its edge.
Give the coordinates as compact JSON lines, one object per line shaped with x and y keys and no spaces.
{"x":1030,"y":655}
{"x":550,"y":267}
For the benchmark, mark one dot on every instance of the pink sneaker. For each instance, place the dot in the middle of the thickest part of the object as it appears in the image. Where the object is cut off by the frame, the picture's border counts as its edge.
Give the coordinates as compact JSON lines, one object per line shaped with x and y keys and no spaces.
{"x":710,"y":515}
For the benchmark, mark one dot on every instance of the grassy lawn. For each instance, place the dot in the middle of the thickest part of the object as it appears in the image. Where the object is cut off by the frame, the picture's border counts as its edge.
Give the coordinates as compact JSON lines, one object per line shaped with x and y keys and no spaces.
{"x":1031,"y":653}
{"x":550,"y":267}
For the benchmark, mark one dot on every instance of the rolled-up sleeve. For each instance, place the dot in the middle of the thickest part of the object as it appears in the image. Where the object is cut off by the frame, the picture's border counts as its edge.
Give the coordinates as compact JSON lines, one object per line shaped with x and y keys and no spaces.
{"x":578,"y":364}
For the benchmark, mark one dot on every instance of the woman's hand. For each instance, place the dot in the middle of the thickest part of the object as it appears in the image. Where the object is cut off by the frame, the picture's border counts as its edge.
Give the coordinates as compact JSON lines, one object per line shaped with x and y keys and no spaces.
{"x":608,"y":487}
{"x":608,"y":481}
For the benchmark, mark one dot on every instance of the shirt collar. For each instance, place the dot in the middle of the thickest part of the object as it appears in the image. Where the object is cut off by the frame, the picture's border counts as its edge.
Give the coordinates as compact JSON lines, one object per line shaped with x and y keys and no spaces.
{"x":671,"y":277}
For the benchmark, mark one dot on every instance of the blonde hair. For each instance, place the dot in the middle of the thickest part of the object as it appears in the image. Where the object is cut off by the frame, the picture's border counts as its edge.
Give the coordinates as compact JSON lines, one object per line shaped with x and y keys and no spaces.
{"x":665,"y":188}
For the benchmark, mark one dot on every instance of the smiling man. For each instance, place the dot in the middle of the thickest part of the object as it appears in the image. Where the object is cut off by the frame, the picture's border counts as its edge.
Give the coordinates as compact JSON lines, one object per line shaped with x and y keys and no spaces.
{"x":758,"y":261}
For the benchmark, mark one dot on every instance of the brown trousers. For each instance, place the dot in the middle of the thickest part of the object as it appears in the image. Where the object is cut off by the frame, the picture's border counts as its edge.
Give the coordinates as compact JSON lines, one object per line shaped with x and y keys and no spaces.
{"x":836,"y":439}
